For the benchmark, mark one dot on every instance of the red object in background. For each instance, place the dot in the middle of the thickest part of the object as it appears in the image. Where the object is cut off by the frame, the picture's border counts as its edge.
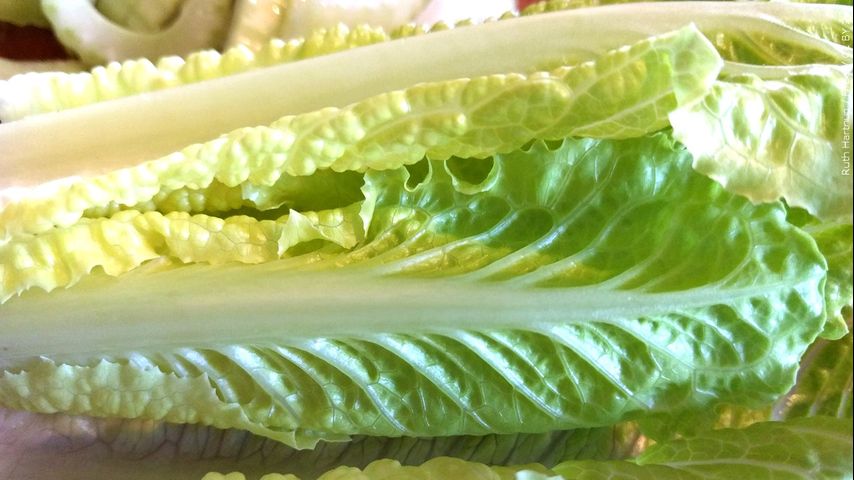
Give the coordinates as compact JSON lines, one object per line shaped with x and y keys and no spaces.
{"x":29,"y":43}
{"x":520,"y":4}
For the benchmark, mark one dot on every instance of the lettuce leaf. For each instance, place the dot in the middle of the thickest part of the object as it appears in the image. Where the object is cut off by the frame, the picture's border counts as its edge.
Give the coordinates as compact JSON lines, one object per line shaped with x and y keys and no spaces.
{"x":61,"y":257}
{"x":739,"y":36}
{"x":46,"y":92}
{"x":834,"y":241}
{"x":824,"y":382}
{"x":453,"y":247}
{"x":634,"y":328}
{"x":625,"y":93}
{"x":806,"y":448}
{"x":813,"y":448}
{"x":777,"y":138}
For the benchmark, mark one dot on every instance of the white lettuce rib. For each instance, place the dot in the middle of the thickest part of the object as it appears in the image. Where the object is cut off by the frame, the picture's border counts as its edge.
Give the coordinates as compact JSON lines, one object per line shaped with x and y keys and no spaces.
{"x":67,"y":328}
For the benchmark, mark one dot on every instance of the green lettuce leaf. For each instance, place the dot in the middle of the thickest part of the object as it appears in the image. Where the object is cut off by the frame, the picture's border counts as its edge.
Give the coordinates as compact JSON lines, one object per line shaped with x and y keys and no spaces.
{"x":61,"y":257}
{"x":800,"y":449}
{"x":824,"y":382}
{"x":743,"y":38}
{"x":739,"y":36}
{"x":834,"y":241}
{"x":838,"y":31}
{"x":683,"y":62}
{"x":553,"y":253}
{"x":452,"y":278}
{"x":625,"y":93}
{"x":48,"y":92}
{"x":768,"y":139}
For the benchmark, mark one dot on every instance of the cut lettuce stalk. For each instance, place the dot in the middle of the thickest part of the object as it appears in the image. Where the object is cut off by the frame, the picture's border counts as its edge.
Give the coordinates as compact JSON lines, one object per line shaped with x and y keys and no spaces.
{"x":96,"y":39}
{"x":732,"y":32}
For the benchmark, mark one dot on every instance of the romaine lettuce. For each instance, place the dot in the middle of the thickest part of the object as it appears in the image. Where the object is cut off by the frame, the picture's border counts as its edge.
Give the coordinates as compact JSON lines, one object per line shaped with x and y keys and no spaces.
{"x":570,"y":242}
